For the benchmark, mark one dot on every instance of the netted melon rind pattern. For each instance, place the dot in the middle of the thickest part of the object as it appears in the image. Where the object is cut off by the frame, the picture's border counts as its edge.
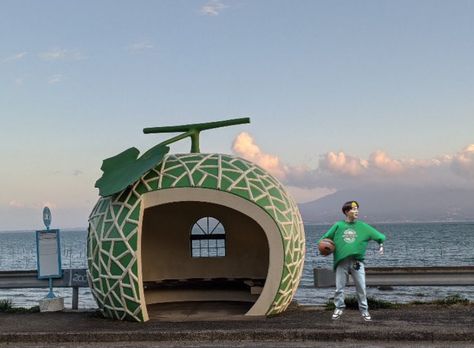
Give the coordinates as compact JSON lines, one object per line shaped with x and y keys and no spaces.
{"x":113,"y":226}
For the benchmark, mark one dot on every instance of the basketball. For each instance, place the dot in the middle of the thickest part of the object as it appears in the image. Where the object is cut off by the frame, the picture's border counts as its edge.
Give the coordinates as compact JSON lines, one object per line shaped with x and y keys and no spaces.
{"x":326,"y":247}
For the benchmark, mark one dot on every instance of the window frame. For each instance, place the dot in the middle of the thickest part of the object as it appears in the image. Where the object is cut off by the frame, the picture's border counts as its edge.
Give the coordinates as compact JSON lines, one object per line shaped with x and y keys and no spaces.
{"x":207,"y":235}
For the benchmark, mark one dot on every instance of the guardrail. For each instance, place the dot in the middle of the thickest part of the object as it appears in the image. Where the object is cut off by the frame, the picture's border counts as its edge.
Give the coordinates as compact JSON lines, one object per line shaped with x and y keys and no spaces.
{"x":403,"y":276}
{"x":72,"y":278}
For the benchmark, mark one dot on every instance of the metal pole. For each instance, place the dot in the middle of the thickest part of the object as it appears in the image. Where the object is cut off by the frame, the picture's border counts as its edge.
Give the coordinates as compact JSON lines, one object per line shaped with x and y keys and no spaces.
{"x":51,"y":293}
{"x":75,"y":297}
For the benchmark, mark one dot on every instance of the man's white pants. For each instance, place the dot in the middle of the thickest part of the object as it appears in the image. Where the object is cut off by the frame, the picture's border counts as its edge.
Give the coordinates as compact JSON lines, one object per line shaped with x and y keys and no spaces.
{"x":344,"y":268}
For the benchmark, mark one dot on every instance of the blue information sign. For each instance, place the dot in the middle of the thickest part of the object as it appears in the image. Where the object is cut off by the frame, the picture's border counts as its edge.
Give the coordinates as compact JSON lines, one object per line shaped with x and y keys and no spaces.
{"x":48,"y":254}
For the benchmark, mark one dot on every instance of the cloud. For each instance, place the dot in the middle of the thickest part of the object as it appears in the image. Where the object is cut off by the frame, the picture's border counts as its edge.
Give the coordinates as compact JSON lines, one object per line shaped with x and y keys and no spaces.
{"x":19,"y":81}
{"x":16,"y":204}
{"x":15,"y":57}
{"x":74,"y":172}
{"x":339,"y":170}
{"x":380,"y":160}
{"x":48,"y":204}
{"x":245,"y":146}
{"x":212,"y":8}
{"x":463,"y":162}
{"x":55,"y":54}
{"x":54,"y":79}
{"x":343,"y":171}
{"x":342,"y":164}
{"x":140,"y":46}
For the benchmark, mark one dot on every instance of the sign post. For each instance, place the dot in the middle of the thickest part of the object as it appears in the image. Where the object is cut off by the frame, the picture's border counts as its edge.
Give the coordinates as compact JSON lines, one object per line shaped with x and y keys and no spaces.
{"x":48,"y":251}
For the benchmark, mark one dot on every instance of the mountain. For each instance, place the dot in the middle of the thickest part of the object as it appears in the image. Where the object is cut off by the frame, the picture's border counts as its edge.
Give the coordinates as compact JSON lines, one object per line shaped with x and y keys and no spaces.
{"x":394,"y":205}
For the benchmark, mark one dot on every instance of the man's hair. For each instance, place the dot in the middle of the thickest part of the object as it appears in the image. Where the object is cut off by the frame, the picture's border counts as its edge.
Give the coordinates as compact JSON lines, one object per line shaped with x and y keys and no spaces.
{"x":348,"y":206}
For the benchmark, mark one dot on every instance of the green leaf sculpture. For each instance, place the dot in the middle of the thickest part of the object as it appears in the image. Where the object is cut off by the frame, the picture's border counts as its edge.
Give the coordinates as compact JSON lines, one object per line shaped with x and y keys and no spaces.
{"x":125,"y":168}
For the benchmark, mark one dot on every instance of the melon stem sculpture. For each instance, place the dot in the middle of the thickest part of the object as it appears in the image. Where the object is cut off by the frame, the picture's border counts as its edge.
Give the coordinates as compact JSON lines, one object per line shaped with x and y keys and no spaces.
{"x":193,"y":131}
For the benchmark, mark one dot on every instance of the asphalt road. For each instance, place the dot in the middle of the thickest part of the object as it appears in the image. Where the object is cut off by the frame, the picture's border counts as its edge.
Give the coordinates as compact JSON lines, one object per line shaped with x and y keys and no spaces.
{"x":222,"y":325}
{"x":227,"y":344}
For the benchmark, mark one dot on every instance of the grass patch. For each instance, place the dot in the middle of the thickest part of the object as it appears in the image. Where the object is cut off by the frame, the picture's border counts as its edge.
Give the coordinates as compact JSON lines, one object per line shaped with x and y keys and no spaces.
{"x":352,"y":303}
{"x":6,"y":306}
{"x":450,"y":300}
{"x":453,"y":300}
{"x":97,"y":314}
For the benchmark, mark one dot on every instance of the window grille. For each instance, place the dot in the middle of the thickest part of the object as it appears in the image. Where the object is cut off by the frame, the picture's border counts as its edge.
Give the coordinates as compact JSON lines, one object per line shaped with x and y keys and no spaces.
{"x":208,"y":238}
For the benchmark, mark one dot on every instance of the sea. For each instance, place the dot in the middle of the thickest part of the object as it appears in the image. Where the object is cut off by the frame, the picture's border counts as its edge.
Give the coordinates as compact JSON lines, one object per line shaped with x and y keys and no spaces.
{"x":407,"y":244}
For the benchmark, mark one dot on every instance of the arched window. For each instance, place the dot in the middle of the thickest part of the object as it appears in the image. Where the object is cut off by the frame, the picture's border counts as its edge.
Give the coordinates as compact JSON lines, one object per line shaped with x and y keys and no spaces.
{"x":207,"y":238}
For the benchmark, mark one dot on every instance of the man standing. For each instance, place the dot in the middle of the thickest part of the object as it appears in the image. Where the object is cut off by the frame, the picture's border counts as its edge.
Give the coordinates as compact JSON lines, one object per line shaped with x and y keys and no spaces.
{"x":350,"y":238}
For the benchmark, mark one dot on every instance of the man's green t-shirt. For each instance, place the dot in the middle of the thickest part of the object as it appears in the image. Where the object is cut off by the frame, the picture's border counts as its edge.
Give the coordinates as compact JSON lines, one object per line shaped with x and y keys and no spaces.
{"x":351,"y":238}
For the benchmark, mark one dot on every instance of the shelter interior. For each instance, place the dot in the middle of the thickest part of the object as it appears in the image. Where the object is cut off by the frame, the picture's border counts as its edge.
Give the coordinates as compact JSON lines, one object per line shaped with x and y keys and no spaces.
{"x":199,"y":251}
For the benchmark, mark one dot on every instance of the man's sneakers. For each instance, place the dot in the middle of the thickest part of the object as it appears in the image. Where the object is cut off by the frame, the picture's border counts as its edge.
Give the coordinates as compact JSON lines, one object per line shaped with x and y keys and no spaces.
{"x":366,"y":316}
{"x":337,"y":314}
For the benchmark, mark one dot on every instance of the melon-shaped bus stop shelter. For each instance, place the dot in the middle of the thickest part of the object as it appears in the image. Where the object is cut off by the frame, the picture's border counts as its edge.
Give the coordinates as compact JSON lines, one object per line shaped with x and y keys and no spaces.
{"x":193,"y":227}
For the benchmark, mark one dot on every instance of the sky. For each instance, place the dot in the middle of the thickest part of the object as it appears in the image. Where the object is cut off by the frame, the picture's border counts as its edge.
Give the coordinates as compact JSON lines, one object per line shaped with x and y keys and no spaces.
{"x":339,"y":93}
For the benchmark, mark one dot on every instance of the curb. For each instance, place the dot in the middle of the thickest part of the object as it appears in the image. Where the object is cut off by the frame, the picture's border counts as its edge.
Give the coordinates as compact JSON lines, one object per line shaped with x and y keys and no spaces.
{"x":238,"y":335}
